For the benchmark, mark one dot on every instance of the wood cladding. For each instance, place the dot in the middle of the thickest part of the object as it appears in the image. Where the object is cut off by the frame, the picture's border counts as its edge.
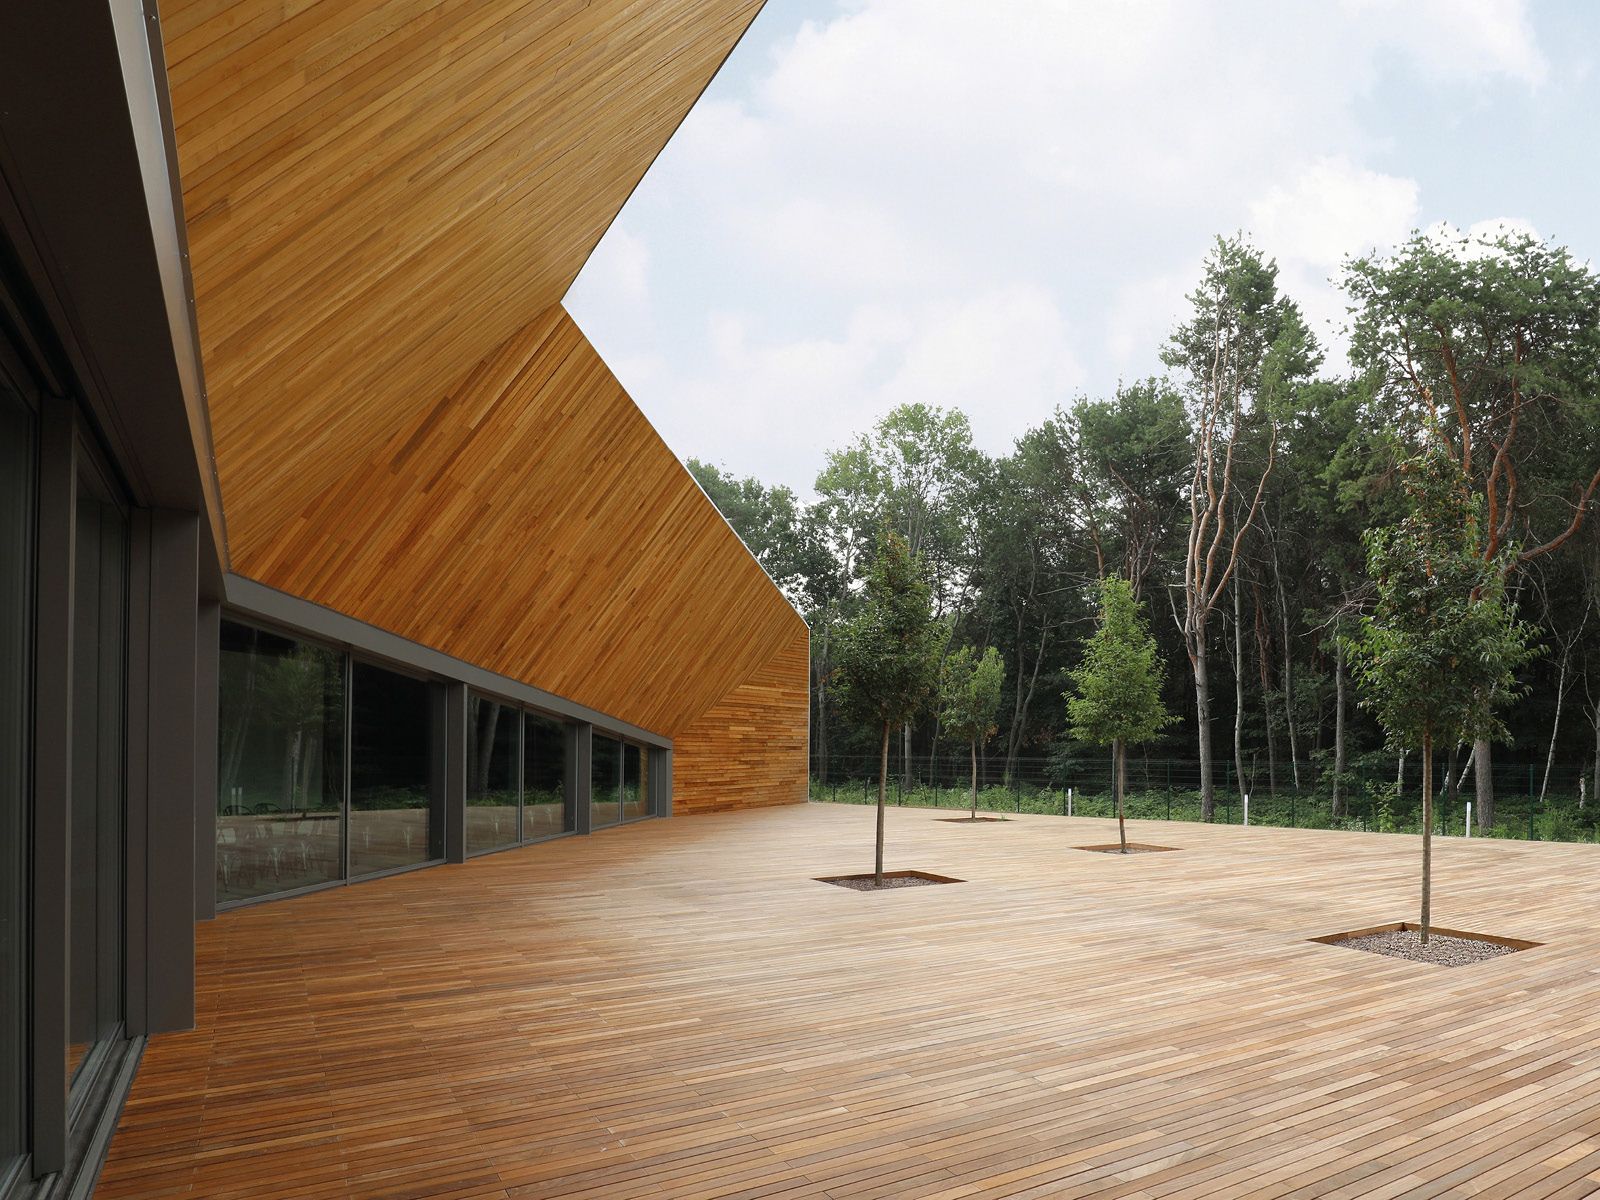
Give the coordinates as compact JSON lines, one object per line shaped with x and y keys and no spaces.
{"x":749,"y":749}
{"x":386,"y":200}
{"x":675,"y":1010}
{"x":381,"y":192}
{"x":534,"y":523}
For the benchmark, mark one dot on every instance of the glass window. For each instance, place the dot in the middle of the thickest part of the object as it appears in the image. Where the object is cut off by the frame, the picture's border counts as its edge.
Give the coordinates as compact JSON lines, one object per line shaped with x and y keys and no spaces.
{"x":635,"y":782}
{"x":545,"y":811}
{"x":18,"y":452}
{"x":605,"y":782}
{"x":491,"y":774}
{"x":280,"y":764}
{"x":396,"y":792}
{"x":95,"y":935}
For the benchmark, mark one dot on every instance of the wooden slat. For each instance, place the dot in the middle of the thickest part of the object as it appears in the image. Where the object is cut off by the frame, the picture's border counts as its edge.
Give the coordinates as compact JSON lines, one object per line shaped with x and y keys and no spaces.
{"x":676,"y":1010}
{"x":380,"y":193}
{"x":534,"y":523}
{"x":749,"y":750}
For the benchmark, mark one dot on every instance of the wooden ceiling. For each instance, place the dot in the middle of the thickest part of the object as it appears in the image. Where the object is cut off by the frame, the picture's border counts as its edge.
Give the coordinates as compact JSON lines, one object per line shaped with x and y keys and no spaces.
{"x":386,"y":201}
{"x":380,"y":192}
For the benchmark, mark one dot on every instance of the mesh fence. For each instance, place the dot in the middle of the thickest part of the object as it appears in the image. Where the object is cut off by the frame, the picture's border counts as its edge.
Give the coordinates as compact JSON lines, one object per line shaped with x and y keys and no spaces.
{"x":1370,"y":798}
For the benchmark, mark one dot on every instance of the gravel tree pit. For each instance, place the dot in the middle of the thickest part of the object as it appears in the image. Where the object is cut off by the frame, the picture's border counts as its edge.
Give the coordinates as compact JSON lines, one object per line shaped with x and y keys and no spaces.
{"x":1445,"y":948}
{"x":891,"y":880}
{"x":1133,"y":848}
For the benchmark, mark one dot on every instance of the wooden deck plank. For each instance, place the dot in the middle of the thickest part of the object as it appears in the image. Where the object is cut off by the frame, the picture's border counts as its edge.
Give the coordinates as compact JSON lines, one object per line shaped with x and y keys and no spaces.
{"x":676,"y":1009}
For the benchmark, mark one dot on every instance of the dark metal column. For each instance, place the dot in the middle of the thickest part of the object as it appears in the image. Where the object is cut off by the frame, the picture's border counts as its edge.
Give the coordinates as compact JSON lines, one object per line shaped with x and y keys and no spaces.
{"x":455,"y":758}
{"x":207,"y":684}
{"x":52,"y":796}
{"x":580,"y":761}
{"x":171,"y":794}
{"x":661,"y":782}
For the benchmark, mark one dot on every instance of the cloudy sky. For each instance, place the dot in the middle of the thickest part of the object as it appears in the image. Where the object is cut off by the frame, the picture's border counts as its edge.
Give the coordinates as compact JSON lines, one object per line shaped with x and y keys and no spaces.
{"x":1001,"y":205}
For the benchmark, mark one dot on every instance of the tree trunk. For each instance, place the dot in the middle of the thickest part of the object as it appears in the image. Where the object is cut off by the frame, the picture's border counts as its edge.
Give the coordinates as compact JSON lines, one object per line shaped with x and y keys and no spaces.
{"x":1555,"y":725}
{"x":905,"y":756}
{"x":1024,"y":702}
{"x":1595,"y":790}
{"x":974,"y":779}
{"x":1483,"y":785}
{"x":1427,"y":833}
{"x":883,"y":792}
{"x":1119,"y":785}
{"x":1238,"y":691}
{"x":1202,"y":710}
{"x":1452,"y":780}
{"x":1288,"y":670}
{"x":1338,"y":729}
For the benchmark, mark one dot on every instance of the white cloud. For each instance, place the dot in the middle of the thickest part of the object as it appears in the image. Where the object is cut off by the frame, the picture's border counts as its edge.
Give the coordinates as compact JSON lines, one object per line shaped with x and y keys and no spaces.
{"x":900,"y":201}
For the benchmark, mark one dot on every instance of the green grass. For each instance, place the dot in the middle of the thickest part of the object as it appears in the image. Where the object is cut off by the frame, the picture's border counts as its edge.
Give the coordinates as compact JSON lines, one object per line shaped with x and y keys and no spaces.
{"x":1373,"y":809}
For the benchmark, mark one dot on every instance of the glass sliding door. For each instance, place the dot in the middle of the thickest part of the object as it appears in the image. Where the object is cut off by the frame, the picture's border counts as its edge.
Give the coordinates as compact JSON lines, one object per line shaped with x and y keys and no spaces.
{"x":635,"y":782}
{"x":99,"y":644}
{"x":280,"y":764}
{"x":605,"y":782}
{"x":18,"y":455}
{"x":492,"y":758}
{"x":546,"y":810}
{"x":396,"y":782}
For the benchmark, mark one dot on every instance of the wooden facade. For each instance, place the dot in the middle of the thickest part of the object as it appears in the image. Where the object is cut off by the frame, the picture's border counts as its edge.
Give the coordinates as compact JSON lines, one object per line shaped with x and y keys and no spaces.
{"x":750,"y":748}
{"x":386,"y":201}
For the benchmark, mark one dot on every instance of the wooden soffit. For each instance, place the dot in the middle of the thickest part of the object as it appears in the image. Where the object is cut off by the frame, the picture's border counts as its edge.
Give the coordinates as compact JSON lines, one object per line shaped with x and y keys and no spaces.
{"x":386,"y":201}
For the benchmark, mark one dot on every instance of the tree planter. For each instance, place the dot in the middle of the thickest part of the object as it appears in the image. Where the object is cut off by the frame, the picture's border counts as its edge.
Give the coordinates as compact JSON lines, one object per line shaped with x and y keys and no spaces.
{"x":1445,"y":948}
{"x":1133,"y":848}
{"x":892,"y":880}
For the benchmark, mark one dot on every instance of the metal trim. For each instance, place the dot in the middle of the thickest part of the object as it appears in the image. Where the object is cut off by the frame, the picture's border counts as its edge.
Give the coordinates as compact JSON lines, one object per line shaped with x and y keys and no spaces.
{"x":258,"y":602}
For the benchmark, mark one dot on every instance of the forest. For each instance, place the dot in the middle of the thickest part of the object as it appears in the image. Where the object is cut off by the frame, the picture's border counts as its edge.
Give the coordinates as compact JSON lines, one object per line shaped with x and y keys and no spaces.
{"x":1232,"y":492}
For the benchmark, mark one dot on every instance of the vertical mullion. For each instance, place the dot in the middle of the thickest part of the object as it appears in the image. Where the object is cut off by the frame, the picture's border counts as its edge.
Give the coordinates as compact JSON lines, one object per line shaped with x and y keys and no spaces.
{"x":52,"y":795}
{"x":347,"y":752}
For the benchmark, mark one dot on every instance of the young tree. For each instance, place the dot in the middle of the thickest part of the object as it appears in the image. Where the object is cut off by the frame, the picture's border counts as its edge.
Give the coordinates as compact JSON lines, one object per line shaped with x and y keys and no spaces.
{"x":1118,"y":698}
{"x":969,"y":694}
{"x":889,"y":653}
{"x":1443,"y":642}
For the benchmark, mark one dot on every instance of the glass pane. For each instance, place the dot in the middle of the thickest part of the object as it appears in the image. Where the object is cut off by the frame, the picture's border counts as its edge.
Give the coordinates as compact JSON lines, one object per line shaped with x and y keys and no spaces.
{"x":544,"y":778}
{"x":635,"y":784}
{"x":100,"y":623}
{"x":280,"y":764}
{"x":605,"y":783}
{"x":491,"y":774}
{"x":17,"y":457}
{"x":396,"y":811}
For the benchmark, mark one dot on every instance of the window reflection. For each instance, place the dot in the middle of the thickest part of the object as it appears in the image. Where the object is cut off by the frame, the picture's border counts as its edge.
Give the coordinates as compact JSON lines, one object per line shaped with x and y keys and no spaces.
{"x":279,"y":764}
{"x":635,"y":783}
{"x":605,"y":782}
{"x":396,"y":811}
{"x":545,"y":811}
{"x":491,"y":774}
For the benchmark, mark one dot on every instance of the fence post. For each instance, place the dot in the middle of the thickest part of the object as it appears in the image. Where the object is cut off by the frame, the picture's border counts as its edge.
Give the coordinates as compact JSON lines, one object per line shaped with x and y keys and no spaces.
{"x":1069,"y":802}
{"x":1169,"y":791}
{"x":1531,"y":838}
{"x":1469,"y":818}
{"x":1246,"y":807}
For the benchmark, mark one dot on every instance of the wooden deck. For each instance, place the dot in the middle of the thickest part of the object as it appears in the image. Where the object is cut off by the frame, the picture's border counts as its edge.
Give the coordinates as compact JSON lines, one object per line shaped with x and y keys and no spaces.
{"x":676,"y":1010}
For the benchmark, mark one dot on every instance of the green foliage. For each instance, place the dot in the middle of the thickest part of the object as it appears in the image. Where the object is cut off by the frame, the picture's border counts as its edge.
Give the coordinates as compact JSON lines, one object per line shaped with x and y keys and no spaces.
{"x":1443,"y":643}
{"x":888,"y":654}
{"x":785,"y":537}
{"x":1118,"y":694}
{"x":969,"y":693}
